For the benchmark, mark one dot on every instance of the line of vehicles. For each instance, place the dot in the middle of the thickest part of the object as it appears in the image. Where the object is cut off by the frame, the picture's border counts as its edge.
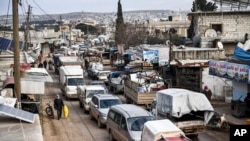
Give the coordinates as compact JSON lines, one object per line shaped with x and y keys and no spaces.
{"x":185,"y":110}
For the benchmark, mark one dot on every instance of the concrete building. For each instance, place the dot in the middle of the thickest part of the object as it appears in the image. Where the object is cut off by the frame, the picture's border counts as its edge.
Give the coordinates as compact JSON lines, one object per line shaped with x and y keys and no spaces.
{"x":230,"y":27}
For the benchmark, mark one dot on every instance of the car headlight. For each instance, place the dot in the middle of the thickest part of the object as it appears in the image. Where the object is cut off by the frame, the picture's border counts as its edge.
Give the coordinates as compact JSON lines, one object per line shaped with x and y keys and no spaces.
{"x":104,"y":114}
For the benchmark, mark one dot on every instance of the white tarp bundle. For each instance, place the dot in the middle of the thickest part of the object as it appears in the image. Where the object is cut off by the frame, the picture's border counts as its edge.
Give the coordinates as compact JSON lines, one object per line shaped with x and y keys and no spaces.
{"x":179,"y":102}
{"x":97,"y":66}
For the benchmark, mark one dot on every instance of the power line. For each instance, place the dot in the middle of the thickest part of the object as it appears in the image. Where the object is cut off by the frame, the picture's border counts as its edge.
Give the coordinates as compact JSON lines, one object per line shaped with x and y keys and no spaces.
{"x":43,"y":10}
{"x":7,"y":13}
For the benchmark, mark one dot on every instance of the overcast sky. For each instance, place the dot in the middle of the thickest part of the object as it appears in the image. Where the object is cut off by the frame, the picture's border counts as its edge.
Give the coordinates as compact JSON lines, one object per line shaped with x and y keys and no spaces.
{"x":66,"y":6}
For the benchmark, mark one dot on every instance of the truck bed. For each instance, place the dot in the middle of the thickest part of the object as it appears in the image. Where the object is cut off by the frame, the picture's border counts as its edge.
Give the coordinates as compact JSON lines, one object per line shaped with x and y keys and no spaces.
{"x":132,"y":94}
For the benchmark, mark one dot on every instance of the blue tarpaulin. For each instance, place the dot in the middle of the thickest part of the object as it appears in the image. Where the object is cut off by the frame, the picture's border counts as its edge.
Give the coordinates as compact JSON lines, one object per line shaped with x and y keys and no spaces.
{"x":241,"y":54}
{"x":5,"y":43}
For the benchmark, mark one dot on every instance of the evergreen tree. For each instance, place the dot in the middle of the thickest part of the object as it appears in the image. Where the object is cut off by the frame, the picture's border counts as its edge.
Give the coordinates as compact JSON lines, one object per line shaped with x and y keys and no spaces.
{"x":201,"y":5}
{"x":120,"y":27}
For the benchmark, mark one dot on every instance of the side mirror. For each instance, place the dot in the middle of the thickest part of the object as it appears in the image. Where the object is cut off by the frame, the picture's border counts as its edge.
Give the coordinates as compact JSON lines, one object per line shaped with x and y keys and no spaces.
{"x":64,"y":84}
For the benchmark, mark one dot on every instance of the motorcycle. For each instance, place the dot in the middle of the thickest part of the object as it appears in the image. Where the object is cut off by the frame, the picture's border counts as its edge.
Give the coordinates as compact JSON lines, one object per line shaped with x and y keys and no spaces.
{"x":49,"y":111}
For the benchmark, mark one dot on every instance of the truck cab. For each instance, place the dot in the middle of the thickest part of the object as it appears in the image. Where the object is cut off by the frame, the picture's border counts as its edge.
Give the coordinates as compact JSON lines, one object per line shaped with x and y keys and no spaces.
{"x":85,"y":94}
{"x":115,"y":81}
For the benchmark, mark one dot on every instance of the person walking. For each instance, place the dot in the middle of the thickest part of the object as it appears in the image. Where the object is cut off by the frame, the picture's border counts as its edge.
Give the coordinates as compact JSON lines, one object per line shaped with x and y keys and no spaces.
{"x":247,"y":101}
{"x":45,"y":64}
{"x":58,"y":105}
{"x":207,"y":92}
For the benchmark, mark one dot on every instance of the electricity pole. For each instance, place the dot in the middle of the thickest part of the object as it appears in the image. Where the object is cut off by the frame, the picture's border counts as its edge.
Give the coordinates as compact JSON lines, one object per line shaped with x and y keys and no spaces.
{"x":17,"y":89}
{"x":27,"y":29}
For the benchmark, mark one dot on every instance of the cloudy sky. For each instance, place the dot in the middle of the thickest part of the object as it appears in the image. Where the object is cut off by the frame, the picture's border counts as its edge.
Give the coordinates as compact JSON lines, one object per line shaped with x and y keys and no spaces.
{"x":67,"y":6}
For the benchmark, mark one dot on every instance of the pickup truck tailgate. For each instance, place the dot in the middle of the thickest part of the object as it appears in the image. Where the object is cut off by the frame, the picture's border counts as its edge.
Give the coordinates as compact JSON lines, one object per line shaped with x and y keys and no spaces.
{"x":191,"y":127}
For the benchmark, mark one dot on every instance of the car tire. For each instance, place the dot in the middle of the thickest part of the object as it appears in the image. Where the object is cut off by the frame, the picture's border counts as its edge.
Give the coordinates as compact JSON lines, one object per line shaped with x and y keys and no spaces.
{"x":83,"y":108}
{"x":111,"y":138}
{"x":90,"y":114}
{"x":99,"y":123}
{"x":80,"y":104}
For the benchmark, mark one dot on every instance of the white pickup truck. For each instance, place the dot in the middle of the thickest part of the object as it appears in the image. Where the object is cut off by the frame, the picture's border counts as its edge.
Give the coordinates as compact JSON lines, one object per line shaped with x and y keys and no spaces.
{"x":86,"y":92}
{"x":189,"y":110}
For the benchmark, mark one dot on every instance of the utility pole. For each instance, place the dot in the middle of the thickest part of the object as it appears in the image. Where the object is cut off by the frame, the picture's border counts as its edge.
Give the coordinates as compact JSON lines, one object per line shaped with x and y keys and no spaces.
{"x":27,"y":29}
{"x":16,"y":52}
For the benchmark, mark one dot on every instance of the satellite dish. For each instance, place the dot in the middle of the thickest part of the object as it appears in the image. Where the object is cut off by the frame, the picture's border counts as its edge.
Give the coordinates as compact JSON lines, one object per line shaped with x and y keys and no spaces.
{"x":220,"y":45}
{"x":210,"y":33}
{"x":167,"y":42}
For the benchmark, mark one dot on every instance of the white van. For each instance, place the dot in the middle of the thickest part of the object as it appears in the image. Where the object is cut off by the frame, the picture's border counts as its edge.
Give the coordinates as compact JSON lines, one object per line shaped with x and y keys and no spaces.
{"x":125,"y":122}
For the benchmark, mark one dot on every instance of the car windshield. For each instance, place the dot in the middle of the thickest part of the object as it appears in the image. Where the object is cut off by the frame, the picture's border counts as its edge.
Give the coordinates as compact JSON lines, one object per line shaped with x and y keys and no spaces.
{"x":107,"y":103}
{"x":137,"y":123}
{"x":103,"y":74}
{"x":116,"y":75}
{"x":98,"y":83}
{"x":91,"y":93}
{"x":75,"y":81}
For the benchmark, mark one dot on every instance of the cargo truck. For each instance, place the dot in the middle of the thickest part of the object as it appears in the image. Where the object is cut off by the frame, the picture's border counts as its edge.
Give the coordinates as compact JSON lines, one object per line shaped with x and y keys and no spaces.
{"x":70,"y":77}
{"x":189,"y":110}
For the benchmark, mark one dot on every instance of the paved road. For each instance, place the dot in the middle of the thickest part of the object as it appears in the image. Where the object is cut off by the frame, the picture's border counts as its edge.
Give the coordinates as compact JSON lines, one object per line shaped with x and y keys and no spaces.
{"x":79,"y":127}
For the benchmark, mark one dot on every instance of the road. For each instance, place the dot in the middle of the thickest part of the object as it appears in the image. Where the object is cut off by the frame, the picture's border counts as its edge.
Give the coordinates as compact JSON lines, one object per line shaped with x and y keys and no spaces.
{"x":79,"y":127}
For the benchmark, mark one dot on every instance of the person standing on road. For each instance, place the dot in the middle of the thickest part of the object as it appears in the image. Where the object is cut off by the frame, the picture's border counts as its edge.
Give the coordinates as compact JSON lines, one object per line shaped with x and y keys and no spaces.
{"x":45,"y":64}
{"x":207,"y":92}
{"x":58,"y":105}
{"x":247,"y":101}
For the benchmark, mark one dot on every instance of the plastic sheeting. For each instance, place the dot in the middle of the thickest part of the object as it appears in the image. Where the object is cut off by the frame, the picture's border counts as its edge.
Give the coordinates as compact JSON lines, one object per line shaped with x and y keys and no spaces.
{"x":179,"y":102}
{"x":241,"y":54}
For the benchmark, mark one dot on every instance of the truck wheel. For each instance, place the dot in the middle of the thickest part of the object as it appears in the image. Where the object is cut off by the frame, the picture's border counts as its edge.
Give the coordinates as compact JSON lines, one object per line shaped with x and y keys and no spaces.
{"x":90,"y":114}
{"x":84,"y":110}
{"x":99,"y":123}
{"x":128,"y":100}
{"x":66,"y":97}
{"x":111,"y":138}
{"x":80,"y":104}
{"x":110,"y":88}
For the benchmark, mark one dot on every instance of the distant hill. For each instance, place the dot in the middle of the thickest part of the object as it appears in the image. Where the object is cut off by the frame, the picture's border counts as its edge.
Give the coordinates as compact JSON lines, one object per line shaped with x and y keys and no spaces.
{"x":140,"y":15}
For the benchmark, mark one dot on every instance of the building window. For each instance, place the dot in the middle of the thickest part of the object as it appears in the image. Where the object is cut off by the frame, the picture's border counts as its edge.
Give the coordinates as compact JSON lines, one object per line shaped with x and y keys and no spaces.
{"x":217,"y":27}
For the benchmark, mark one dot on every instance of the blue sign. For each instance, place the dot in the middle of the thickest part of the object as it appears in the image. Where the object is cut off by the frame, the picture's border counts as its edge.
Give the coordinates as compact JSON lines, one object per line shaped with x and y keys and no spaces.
{"x":151,"y":56}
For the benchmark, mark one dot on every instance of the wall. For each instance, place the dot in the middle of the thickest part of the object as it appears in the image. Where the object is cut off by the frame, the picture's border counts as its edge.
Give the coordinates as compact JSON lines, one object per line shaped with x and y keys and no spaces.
{"x":234,"y":24}
{"x":239,"y":90}
{"x":215,"y":84}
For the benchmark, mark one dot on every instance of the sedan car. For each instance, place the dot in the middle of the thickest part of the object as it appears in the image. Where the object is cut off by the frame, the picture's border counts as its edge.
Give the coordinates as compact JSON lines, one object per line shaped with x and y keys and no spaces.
{"x":99,"y":107}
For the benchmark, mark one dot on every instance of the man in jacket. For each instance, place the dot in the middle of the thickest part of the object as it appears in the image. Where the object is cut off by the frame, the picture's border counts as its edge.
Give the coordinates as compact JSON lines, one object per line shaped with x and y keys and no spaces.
{"x":207,"y":92}
{"x":58,"y":105}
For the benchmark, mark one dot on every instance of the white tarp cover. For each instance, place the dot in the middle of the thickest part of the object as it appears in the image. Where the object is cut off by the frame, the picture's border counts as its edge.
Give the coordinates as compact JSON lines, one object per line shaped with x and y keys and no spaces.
{"x":179,"y":102}
{"x":32,"y":87}
{"x":8,"y":101}
{"x":153,"y":130}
